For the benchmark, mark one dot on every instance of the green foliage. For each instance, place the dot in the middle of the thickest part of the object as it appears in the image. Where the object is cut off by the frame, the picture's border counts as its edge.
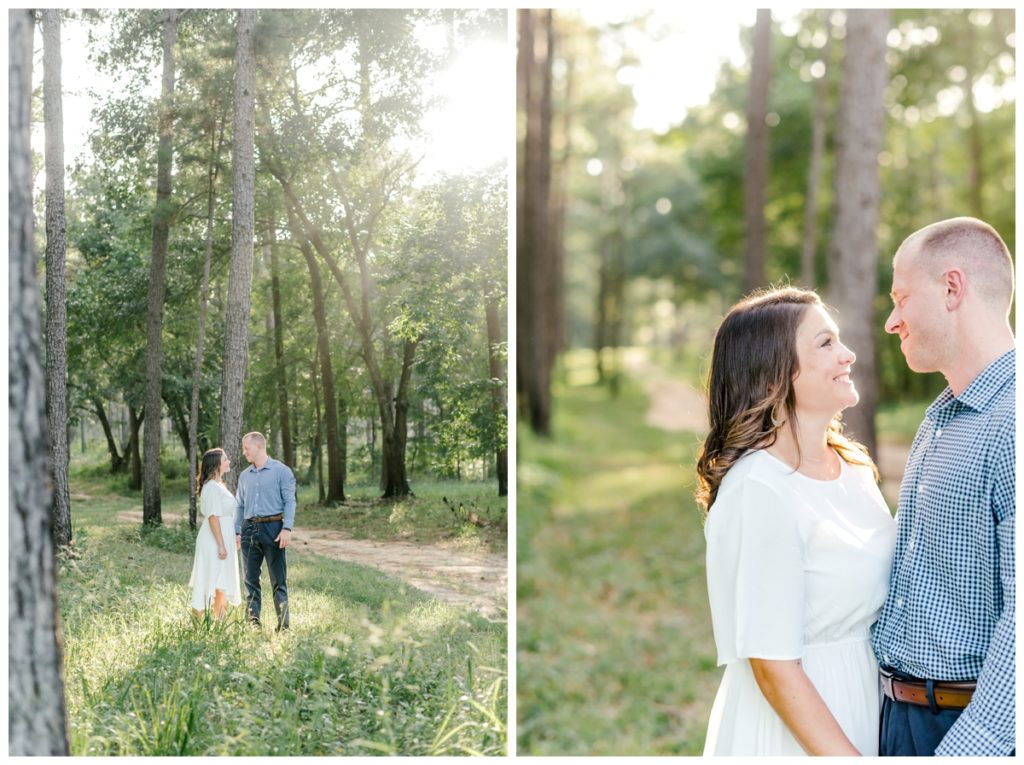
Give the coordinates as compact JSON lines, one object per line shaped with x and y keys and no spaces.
{"x":369,"y":665}
{"x":674,"y":203}
{"x":342,"y":96}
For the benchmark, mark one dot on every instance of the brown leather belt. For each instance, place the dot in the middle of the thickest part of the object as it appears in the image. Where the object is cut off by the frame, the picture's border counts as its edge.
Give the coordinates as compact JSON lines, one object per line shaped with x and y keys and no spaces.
{"x":947,"y":695}
{"x":267,"y":518}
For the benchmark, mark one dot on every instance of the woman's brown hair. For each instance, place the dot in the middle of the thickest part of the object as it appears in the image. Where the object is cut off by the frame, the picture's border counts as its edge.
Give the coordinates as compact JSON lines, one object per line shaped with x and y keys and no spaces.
{"x":750,"y":386}
{"x":208,"y":467}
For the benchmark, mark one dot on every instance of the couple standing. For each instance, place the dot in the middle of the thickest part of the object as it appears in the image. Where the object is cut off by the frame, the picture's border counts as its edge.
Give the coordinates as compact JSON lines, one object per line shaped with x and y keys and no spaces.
{"x":843,"y":631}
{"x":263,"y":513}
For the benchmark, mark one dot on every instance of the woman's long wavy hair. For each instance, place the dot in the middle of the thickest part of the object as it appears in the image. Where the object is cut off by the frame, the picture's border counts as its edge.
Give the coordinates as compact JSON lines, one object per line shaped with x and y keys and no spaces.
{"x":750,"y":386}
{"x":208,"y":467}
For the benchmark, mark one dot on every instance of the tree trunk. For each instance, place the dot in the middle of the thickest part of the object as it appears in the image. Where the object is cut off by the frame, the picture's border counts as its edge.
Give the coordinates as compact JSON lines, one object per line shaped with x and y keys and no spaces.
{"x":236,"y":323}
{"x":393,"y":477}
{"x":35,"y":691}
{"x":371,"y":442}
{"x":56,"y":296}
{"x":343,"y":437}
{"x":818,"y":128}
{"x":854,"y":253}
{"x":287,"y":450}
{"x":551,"y":281}
{"x":316,"y":459}
{"x":158,"y":282}
{"x":524,"y":91}
{"x":533,"y":242}
{"x":134,"y":423}
{"x":117,"y":462}
{"x":499,"y":397}
{"x":559,"y":210}
{"x":396,"y":484}
{"x":179,"y":423}
{"x":757,"y":151}
{"x":204,"y":290}
{"x":335,"y":488}
{"x":601,"y":314}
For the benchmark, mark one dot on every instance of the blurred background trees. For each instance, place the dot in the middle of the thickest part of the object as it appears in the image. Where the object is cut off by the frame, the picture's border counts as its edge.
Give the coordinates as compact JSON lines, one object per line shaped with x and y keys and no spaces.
{"x":656,"y":220}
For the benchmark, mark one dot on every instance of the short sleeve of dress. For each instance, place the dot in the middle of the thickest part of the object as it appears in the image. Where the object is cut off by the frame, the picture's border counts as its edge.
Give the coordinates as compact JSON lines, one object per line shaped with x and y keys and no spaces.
{"x":209,"y":501}
{"x":755,"y":571}
{"x":226,"y":502}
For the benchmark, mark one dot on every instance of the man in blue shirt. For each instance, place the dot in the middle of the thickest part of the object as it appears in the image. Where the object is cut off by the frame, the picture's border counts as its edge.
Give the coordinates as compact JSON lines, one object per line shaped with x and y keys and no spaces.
{"x":263,"y":525}
{"x":945,"y":639}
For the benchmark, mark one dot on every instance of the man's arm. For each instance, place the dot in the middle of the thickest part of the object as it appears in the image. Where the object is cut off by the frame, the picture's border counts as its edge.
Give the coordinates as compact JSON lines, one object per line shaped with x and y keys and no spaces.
{"x":288,"y":496}
{"x":987,"y":726}
{"x":239,"y":506}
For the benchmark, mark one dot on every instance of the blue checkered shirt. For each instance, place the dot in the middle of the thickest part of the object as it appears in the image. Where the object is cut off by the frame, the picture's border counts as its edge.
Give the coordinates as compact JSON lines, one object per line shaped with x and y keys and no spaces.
{"x":267,"y":491}
{"x":949,"y":614}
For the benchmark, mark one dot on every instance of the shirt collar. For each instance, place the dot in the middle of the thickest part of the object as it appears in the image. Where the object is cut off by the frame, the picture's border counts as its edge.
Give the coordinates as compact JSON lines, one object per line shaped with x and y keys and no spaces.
{"x":252,"y":468}
{"x":982,"y":389}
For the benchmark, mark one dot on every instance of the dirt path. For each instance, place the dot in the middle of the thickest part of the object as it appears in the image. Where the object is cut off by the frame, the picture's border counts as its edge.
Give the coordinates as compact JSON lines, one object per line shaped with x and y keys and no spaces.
{"x":478,"y":581}
{"x":676,"y":406}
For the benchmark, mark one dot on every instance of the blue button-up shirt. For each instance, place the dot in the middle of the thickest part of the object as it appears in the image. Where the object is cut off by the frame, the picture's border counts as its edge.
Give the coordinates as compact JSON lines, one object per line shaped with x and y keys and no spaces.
{"x":267,"y":491}
{"x":949,"y":613}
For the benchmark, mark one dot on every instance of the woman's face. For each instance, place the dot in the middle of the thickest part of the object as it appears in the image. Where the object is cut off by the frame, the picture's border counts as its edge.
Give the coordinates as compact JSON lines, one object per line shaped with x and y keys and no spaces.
{"x":225,"y":464}
{"x":823,"y":384}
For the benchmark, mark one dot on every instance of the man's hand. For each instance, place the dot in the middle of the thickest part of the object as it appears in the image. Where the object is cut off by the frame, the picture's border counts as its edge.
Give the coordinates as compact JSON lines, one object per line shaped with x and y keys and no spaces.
{"x":283,"y":538}
{"x":238,"y":541}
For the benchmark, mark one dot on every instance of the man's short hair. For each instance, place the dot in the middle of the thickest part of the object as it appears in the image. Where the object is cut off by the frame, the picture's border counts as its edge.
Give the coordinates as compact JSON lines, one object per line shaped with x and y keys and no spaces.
{"x":972,"y":245}
{"x":255,"y":438}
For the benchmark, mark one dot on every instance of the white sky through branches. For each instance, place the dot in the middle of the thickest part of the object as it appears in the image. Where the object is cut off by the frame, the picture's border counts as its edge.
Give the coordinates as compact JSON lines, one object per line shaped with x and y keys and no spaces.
{"x":469,"y":131}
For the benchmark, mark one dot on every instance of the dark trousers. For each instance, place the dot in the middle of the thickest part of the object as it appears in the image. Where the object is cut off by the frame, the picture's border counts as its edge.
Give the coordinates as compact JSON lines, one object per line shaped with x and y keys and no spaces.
{"x":909,"y":730}
{"x":258,"y":545}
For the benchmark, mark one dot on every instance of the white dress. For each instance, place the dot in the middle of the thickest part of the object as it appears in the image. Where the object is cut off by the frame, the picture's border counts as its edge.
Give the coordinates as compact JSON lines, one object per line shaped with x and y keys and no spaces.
{"x":797,"y":569}
{"x":210,"y":573}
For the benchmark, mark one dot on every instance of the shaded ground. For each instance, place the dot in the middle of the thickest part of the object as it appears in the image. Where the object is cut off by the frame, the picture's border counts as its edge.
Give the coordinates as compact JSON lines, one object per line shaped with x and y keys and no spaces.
{"x":476,"y":580}
{"x":677,"y":406}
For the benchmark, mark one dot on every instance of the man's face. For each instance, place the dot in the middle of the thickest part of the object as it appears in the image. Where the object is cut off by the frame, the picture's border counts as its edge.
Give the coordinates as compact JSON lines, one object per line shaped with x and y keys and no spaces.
{"x":919,"y":315}
{"x":248,"y":451}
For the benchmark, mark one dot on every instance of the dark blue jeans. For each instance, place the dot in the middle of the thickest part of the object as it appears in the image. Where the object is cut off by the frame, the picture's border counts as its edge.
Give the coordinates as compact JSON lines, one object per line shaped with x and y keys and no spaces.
{"x":258,"y":545}
{"x":909,"y":730}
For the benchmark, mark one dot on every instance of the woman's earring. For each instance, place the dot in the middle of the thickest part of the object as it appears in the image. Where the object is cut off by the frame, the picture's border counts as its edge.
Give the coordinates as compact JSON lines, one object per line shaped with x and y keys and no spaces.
{"x":775,"y":419}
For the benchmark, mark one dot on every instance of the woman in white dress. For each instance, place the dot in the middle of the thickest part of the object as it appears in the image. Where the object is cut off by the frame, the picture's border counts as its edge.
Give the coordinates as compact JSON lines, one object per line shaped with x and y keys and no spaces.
{"x":214,"y":579}
{"x":799,"y":538}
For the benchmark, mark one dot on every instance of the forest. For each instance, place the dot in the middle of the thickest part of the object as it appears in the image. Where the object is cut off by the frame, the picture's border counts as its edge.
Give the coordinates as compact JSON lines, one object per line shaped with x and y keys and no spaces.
{"x":644,"y":210}
{"x":264,"y":226}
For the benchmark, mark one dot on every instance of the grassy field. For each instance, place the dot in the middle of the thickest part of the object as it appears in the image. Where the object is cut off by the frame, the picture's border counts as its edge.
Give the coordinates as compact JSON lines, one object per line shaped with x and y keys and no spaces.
{"x":369,"y":666}
{"x":439,"y":511}
{"x":615,"y":650}
{"x":615,"y":653}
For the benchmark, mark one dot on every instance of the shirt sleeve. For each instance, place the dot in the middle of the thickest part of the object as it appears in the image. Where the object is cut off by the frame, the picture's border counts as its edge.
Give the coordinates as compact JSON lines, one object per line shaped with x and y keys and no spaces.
{"x":239,"y":505}
{"x":987,"y":726}
{"x":755,"y":569}
{"x":287,"y":484}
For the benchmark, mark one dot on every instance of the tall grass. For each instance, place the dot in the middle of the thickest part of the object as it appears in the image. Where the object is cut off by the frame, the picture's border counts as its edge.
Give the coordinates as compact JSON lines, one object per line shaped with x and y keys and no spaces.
{"x":369,"y":666}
